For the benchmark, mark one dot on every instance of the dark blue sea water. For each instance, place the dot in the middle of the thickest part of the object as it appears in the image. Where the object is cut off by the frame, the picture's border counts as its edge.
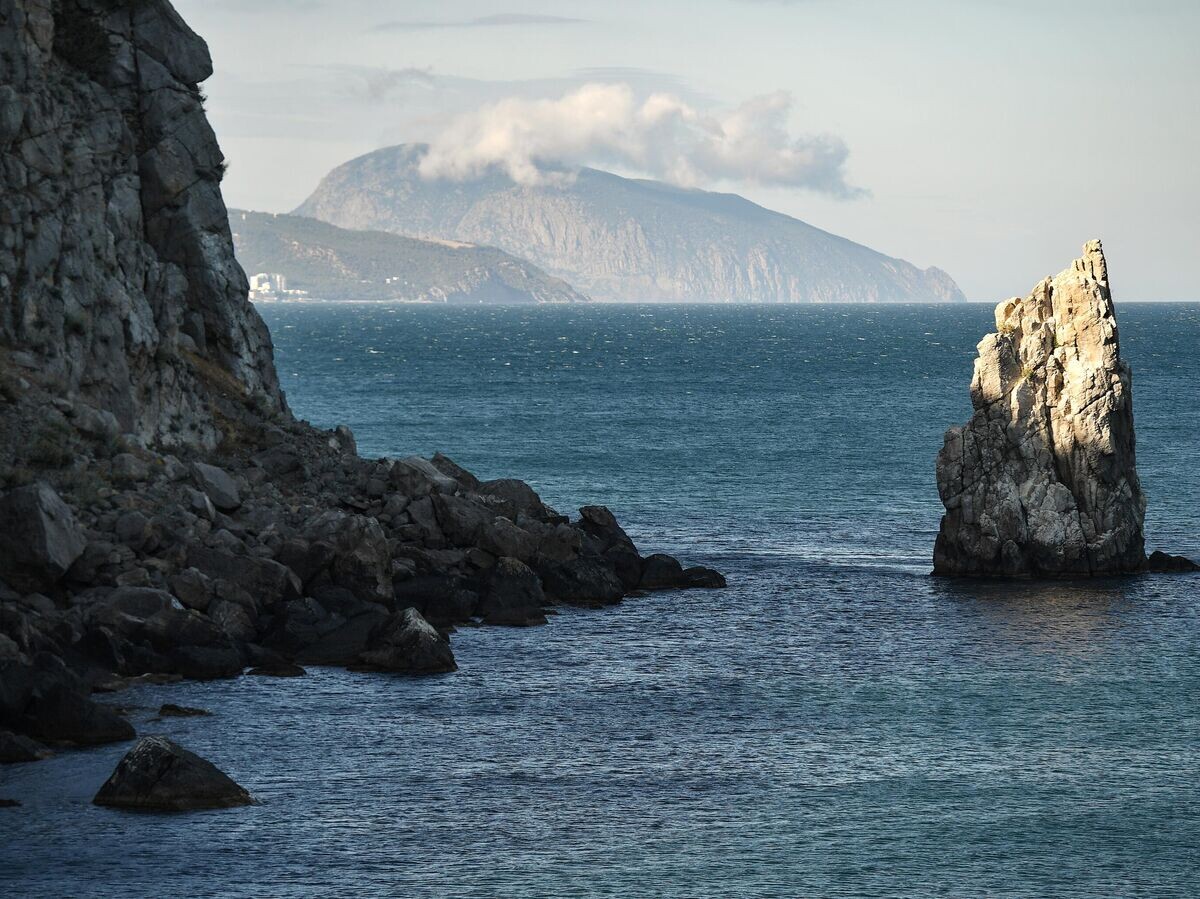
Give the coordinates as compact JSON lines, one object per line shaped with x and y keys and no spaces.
{"x":836,"y":723}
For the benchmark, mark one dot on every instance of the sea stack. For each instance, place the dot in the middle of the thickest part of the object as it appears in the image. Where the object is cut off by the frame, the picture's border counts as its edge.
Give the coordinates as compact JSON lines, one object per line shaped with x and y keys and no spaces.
{"x":1042,"y":480}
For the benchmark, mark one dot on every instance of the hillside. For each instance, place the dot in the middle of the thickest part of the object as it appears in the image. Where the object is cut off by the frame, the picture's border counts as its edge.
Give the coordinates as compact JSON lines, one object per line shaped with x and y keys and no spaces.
{"x":336,"y":264}
{"x":624,"y":239}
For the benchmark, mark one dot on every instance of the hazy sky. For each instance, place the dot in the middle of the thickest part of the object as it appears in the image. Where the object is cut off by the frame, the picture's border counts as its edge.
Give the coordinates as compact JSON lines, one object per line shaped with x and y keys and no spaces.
{"x":988,"y":137}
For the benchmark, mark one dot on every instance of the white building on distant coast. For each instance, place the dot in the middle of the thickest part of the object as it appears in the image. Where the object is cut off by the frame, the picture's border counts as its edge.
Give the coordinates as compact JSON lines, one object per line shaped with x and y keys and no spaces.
{"x":272,"y":286}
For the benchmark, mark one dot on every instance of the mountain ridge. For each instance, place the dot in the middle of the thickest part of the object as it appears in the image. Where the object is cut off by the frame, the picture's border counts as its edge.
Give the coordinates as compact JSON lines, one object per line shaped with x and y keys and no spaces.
{"x":618,"y":238}
{"x":337,"y":264}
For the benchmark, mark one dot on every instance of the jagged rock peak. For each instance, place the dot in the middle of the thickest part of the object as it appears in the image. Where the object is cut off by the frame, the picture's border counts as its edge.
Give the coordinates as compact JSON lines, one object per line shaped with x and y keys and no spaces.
{"x":118,"y":282}
{"x":1042,"y":480}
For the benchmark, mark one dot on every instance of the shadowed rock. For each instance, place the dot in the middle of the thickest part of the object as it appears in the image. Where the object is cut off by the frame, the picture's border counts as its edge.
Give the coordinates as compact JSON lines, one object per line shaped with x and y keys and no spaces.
{"x":1042,"y":480}
{"x":16,"y":748}
{"x":408,"y":644}
{"x":170,"y":710}
{"x":159,"y":775}
{"x":39,"y":537}
{"x":1165,"y":563}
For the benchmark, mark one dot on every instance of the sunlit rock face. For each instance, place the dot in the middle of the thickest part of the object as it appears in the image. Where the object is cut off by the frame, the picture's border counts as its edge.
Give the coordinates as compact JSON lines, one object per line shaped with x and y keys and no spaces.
{"x":118,"y":282}
{"x":1042,"y":480}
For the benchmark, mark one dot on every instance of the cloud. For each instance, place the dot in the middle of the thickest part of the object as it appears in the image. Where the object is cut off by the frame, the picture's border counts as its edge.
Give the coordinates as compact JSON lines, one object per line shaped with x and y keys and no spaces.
{"x":377,"y":84}
{"x":662,"y":136}
{"x":494,"y":21}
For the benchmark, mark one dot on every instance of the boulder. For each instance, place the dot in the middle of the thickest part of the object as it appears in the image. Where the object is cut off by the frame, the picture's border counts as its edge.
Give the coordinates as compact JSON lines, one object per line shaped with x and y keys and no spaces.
{"x":217,"y":485}
{"x":64,"y":715}
{"x":442,"y":599}
{"x":661,"y":572}
{"x":454,"y":471}
{"x":1165,"y":563}
{"x":704,"y":578}
{"x":514,"y":595}
{"x":170,"y":710}
{"x":501,"y":537}
{"x":1042,"y":480}
{"x":16,"y":748}
{"x":415,"y":476}
{"x":361,"y":558}
{"x":583,"y":582}
{"x":39,"y":537}
{"x":159,"y":775}
{"x":516,"y":498}
{"x":129,"y":469}
{"x":265,"y":580}
{"x":611,"y":541}
{"x":408,"y":644}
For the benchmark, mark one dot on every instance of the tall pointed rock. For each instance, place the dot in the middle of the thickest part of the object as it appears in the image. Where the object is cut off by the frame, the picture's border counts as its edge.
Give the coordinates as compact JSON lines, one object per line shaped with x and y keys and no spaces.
{"x":1042,"y":480}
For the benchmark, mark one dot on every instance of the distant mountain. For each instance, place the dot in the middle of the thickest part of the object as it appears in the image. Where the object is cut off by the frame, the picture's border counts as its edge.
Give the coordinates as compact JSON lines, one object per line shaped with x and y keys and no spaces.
{"x":332,"y":263}
{"x":623,"y":239}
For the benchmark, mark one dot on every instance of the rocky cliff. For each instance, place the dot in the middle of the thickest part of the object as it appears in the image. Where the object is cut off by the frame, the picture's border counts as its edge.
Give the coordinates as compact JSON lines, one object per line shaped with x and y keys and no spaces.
{"x":1042,"y":480}
{"x":333,"y":263}
{"x":162,"y":514}
{"x":621,"y":239}
{"x":118,"y":284}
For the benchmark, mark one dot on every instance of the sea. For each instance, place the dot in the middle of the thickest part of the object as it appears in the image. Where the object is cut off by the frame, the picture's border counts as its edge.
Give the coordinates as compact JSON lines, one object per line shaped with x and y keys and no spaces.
{"x":836,"y":723}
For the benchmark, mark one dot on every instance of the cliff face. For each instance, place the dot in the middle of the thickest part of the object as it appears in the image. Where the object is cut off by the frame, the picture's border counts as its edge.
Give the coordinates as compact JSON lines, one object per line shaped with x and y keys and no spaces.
{"x":620,"y":239}
{"x":335,"y":264}
{"x":118,"y":283}
{"x":1042,"y":480}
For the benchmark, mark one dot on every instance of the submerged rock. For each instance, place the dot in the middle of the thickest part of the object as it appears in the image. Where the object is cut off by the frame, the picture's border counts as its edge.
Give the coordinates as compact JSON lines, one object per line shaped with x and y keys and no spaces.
{"x":170,"y":710}
{"x":1042,"y":480}
{"x":159,"y":775}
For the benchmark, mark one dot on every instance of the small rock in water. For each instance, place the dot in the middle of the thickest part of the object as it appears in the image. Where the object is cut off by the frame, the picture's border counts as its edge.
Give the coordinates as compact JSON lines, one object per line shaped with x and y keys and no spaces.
{"x":408,"y":644}
{"x":9,"y":803}
{"x":159,"y":775}
{"x":170,"y":710}
{"x":1165,"y":563}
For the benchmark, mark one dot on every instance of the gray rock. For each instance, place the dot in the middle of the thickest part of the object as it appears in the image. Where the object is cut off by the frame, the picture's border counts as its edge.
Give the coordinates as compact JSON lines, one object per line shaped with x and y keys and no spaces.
{"x":582,"y":582}
{"x":703,"y":578}
{"x":128,"y":468}
{"x":514,"y":595}
{"x":415,"y":476}
{"x":64,"y":715}
{"x":516,"y":498}
{"x":1042,"y":480}
{"x":15,"y":748}
{"x":217,"y":485}
{"x":343,"y":441}
{"x":39,"y":537}
{"x":406,"y":643}
{"x":1165,"y":563}
{"x":362,"y":559}
{"x":159,"y":775}
{"x":170,"y":710}
{"x":661,"y":572}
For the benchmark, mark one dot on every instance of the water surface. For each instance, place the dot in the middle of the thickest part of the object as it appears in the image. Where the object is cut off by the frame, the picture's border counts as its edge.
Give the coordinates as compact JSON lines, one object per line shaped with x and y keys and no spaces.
{"x":836,"y":723}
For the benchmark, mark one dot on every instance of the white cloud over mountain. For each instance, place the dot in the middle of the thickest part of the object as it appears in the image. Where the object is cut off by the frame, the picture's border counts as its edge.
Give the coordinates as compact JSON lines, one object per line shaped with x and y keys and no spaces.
{"x":605,"y":124}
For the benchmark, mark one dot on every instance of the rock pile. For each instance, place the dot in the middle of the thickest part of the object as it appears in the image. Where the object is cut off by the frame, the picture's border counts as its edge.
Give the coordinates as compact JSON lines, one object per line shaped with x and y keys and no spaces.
{"x":1042,"y":480}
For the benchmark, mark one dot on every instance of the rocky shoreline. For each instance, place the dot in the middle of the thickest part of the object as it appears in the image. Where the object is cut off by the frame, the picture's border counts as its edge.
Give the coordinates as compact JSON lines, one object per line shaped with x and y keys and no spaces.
{"x":282,"y":548}
{"x":163,"y":515}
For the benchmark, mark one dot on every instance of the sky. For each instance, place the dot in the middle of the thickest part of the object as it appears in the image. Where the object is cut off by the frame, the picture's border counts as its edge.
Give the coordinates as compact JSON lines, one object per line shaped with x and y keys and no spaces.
{"x":991,"y":138}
